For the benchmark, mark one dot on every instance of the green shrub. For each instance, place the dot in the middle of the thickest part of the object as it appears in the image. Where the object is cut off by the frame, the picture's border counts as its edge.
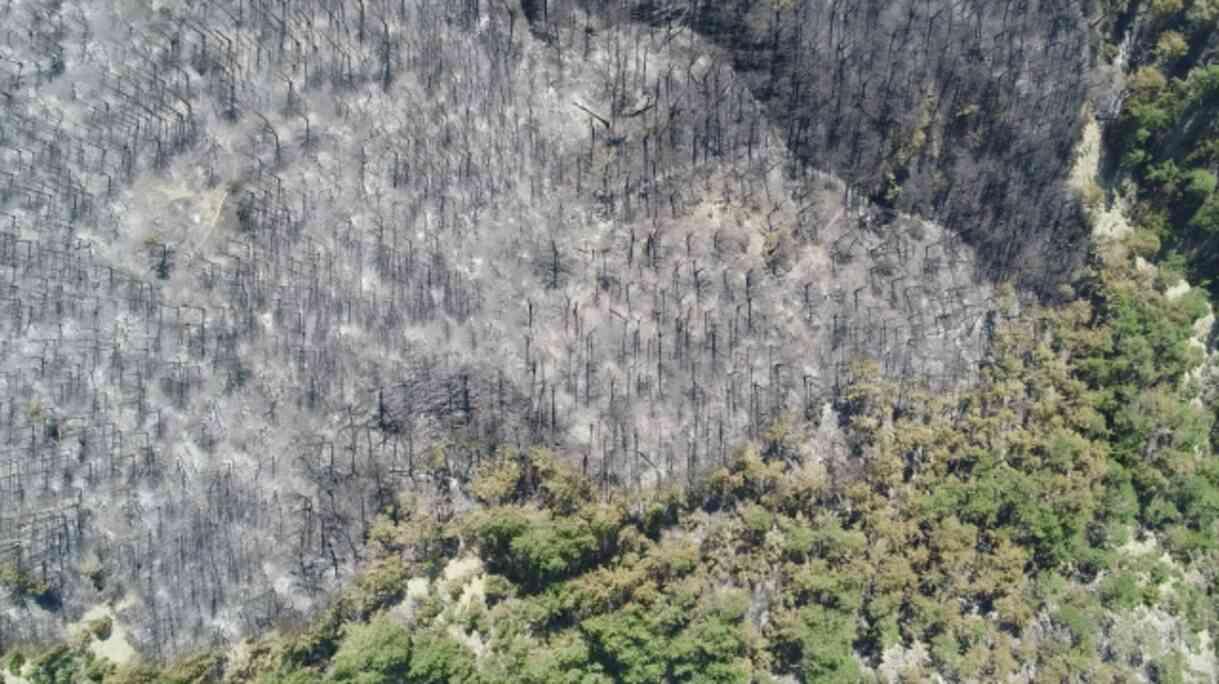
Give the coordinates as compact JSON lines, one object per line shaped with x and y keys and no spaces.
{"x":497,"y":588}
{"x":135,"y":674}
{"x":1120,"y":591}
{"x":16,"y":661}
{"x":533,"y":549}
{"x":23,"y":583}
{"x":60,"y":665}
{"x":1144,"y":243}
{"x":377,"y":652}
{"x":439,"y":659}
{"x":1200,"y":184}
{"x":818,"y":644}
{"x":1171,"y":46}
{"x":314,"y":645}
{"x":757,"y":521}
{"x":714,"y":647}
{"x":197,"y":669}
{"x":381,"y":585}
{"x":1206,"y":218}
{"x":290,"y":677}
{"x":101,"y":627}
{"x":553,"y":550}
{"x":631,"y":644}
{"x":1169,"y":669}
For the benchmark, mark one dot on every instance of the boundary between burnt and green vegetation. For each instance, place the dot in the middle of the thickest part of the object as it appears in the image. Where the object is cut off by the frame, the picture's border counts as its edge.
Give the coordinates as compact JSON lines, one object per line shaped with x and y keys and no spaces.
{"x":1058,"y":518}
{"x":1035,"y":521}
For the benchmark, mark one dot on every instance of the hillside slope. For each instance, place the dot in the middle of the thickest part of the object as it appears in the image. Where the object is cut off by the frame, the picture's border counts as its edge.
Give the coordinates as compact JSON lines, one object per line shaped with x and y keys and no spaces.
{"x":534,"y":341}
{"x":266,"y":270}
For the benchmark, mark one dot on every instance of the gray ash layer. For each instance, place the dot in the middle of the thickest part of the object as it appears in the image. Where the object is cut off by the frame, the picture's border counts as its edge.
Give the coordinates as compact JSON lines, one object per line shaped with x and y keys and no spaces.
{"x":267,"y":265}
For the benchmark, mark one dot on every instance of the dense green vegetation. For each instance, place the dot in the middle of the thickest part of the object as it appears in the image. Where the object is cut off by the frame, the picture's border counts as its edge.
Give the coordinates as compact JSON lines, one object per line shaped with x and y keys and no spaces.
{"x":1028,"y":522}
{"x":1168,"y":135}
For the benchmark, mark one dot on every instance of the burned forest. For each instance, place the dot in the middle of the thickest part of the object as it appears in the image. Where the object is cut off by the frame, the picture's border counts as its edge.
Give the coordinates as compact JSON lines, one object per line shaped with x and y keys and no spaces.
{"x":270,"y":268}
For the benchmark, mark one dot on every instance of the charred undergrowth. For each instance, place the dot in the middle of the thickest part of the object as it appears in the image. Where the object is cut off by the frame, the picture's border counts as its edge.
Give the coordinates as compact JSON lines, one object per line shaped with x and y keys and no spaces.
{"x":965,"y":114}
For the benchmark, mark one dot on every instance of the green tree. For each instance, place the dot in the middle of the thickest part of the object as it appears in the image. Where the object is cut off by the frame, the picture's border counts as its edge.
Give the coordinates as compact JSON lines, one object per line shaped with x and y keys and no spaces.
{"x":633,"y":644}
{"x":818,"y":643}
{"x":439,"y":659}
{"x":377,"y":652}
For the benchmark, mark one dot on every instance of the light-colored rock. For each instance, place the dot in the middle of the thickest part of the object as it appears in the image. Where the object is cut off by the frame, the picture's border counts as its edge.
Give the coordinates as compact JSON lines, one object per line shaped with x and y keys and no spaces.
{"x":117,"y":648}
{"x":1109,"y":219}
{"x":460,"y":569}
{"x":1177,"y":291}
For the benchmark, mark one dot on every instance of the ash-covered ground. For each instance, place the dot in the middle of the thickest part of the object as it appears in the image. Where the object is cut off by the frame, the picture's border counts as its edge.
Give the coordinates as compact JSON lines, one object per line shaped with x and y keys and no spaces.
{"x":267,"y":265}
